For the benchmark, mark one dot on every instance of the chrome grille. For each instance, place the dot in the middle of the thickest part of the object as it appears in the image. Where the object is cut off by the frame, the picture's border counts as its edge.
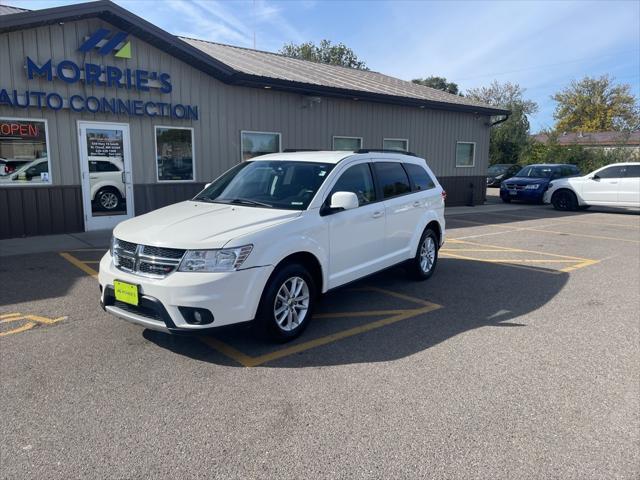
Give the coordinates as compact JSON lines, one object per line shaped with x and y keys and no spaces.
{"x":146,"y":260}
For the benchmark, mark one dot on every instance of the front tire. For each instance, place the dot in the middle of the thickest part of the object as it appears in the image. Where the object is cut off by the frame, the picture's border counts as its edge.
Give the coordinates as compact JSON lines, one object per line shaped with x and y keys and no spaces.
{"x":424,"y":263}
{"x":287,"y":303}
{"x":564,"y":200}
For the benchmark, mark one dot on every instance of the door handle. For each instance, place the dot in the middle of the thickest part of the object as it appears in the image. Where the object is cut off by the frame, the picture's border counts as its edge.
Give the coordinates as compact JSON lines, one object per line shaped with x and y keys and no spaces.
{"x":416,"y":204}
{"x":92,"y":177}
{"x":377,"y":214}
{"x":124,"y":177}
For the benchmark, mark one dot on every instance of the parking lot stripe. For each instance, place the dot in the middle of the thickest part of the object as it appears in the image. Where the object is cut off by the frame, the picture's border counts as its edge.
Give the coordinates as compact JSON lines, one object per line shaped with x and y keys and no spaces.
{"x":521,"y":250}
{"x":372,"y":313}
{"x":9,"y":315}
{"x":561,"y":220}
{"x":80,"y":264}
{"x":597,"y":237}
{"x":23,"y":328}
{"x":249,"y":361}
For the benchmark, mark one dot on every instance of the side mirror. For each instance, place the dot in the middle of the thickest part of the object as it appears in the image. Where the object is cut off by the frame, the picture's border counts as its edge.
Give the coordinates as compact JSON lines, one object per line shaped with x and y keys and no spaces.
{"x":595,"y":177}
{"x":344,"y":201}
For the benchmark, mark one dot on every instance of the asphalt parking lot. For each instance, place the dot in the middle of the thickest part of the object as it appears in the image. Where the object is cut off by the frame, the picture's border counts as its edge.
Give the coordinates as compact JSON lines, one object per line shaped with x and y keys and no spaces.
{"x":519,"y":358}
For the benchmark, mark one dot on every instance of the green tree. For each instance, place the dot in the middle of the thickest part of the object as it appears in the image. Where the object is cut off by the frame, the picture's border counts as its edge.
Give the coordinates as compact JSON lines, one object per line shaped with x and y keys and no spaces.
{"x":326,"y":52}
{"x":439,"y":83}
{"x":509,"y":139}
{"x":596,"y":104}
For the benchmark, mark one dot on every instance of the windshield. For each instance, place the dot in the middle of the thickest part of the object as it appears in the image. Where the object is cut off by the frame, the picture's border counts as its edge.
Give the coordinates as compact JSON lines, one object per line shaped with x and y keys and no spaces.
{"x":497,"y":169}
{"x":535,"y":172}
{"x":268,"y":184}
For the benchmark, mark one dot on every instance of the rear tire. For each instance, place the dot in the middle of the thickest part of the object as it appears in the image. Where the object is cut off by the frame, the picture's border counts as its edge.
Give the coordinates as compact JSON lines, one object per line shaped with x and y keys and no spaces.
{"x":424,"y":263}
{"x":108,"y":199}
{"x":564,"y":200}
{"x":287,"y":303}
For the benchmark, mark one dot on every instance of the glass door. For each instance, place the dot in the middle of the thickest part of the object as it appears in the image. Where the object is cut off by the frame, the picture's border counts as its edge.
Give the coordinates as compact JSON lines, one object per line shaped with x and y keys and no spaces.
{"x":105,"y":167}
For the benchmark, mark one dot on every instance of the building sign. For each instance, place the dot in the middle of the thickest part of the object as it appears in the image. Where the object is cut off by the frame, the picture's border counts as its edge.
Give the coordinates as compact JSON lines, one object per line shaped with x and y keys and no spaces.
{"x":102,"y":76}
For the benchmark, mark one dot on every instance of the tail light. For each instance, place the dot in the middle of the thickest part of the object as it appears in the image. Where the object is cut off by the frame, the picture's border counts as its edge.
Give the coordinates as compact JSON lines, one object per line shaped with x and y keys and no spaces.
{"x":444,"y":194}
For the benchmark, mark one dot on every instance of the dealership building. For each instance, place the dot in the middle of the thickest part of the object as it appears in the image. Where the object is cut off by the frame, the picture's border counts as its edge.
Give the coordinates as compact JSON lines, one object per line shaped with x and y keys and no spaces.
{"x":104,"y":116}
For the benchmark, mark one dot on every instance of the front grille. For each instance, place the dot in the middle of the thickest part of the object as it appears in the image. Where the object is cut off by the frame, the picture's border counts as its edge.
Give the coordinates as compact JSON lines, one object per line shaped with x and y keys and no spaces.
{"x":146,"y":260}
{"x":142,"y":310}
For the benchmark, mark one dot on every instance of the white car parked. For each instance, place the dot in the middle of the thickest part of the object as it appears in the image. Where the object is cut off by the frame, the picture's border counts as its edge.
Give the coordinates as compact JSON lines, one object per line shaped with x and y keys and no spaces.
{"x":269,"y":235}
{"x":616,"y":185}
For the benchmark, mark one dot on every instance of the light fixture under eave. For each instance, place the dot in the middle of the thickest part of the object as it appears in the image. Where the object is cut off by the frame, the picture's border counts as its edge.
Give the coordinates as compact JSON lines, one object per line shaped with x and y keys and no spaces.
{"x":267,"y":87}
{"x":421,"y":106}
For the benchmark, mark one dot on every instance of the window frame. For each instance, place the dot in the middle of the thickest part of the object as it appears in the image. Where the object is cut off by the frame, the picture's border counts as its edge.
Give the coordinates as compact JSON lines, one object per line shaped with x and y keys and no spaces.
{"x":193,"y":153}
{"x":406,"y":140}
{"x":333,"y":142}
{"x":48,"y":145}
{"x":623,"y":169}
{"x":242,"y":132}
{"x":379,"y":185}
{"x":411,"y":181}
{"x":473,"y":159}
{"x":327,"y":201}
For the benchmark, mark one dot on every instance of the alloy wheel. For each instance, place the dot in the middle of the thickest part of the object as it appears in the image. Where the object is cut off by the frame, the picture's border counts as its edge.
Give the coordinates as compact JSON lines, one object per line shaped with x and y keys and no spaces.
{"x":108,"y":200}
{"x":427,"y":254}
{"x":291,"y":305}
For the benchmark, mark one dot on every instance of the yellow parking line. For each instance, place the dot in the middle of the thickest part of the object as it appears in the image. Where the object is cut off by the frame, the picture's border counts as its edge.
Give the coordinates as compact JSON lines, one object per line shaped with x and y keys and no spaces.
{"x":598,"y":237}
{"x":80,"y":264}
{"x":90,"y":249}
{"x":564,"y":220}
{"x":401,"y":296}
{"x":26,"y":326}
{"x":91,"y":261}
{"x":462,"y":257}
{"x":249,"y":361}
{"x":372,"y":313}
{"x":9,"y":315}
{"x":521,"y":250}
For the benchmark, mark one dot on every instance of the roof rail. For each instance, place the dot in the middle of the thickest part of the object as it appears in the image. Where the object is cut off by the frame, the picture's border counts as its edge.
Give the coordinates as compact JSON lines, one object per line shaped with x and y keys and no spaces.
{"x":291,"y":150}
{"x":384,"y":150}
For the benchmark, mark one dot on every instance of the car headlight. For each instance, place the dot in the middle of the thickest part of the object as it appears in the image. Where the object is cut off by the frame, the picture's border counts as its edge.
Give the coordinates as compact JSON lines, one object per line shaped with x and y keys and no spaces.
{"x":534,"y":186}
{"x":220,"y":260}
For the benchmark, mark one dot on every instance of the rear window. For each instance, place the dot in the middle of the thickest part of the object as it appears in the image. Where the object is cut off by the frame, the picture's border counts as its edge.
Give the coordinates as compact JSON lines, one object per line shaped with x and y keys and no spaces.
{"x":393,"y":179}
{"x":420,"y":179}
{"x":633,"y":171}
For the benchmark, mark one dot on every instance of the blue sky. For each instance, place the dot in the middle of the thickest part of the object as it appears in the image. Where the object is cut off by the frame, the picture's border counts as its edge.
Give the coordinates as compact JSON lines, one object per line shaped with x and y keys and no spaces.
{"x":541,"y":45}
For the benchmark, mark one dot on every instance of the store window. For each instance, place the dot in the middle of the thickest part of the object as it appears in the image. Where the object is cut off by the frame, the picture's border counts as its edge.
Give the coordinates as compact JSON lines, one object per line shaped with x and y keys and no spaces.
{"x":24,"y":158}
{"x":465,"y":154}
{"x":349,"y":144}
{"x":259,"y":143}
{"x":400,"y":144}
{"x":174,"y":154}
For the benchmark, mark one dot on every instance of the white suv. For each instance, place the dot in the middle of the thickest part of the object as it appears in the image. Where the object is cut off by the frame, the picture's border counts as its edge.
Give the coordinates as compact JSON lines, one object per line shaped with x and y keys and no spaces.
{"x":269,"y":235}
{"x":616,"y":185}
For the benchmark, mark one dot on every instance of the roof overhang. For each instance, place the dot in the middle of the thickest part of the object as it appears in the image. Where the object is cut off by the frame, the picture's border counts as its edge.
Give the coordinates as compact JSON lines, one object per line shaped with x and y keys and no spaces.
{"x":127,"y":21}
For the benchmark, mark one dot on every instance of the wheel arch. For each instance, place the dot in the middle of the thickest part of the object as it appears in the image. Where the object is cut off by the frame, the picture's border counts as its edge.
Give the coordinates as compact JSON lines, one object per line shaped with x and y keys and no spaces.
{"x":310,"y":261}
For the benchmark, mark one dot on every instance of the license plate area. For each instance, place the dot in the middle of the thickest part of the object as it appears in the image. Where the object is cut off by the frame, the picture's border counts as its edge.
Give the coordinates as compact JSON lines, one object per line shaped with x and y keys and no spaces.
{"x":126,"y":292}
{"x":513,"y":192}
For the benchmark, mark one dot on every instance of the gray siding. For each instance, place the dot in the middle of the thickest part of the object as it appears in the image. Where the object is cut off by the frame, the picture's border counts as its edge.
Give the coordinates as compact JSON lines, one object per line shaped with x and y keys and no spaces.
{"x":223,"y":112}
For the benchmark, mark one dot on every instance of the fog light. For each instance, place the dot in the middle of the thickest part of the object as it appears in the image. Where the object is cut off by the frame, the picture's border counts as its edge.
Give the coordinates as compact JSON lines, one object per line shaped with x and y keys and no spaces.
{"x":196,"y":316}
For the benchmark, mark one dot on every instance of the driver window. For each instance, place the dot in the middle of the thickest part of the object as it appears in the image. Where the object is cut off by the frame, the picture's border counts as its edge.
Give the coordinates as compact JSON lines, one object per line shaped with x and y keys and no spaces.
{"x":612,"y":172}
{"x":356,"y":179}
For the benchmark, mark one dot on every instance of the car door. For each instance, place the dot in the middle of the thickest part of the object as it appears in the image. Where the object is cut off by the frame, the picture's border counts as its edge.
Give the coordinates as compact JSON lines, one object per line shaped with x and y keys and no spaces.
{"x":630,"y":187}
{"x":602,"y":187}
{"x":401,"y":210}
{"x":356,"y":237}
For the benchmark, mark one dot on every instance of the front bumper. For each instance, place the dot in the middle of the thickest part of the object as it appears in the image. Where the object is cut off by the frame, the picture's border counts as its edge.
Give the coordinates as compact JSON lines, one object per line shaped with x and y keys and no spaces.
{"x":231,"y":297}
{"x":522,"y":195}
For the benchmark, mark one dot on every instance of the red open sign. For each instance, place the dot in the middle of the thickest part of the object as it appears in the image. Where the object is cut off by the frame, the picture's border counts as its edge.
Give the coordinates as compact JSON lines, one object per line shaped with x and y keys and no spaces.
{"x":15,"y":129}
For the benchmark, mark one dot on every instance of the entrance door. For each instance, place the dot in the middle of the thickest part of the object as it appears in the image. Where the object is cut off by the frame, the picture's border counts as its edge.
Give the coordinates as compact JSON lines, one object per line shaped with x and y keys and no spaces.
{"x":105,"y":167}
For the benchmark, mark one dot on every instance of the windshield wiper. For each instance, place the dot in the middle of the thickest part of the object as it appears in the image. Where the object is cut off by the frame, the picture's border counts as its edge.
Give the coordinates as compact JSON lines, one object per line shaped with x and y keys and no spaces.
{"x":247,"y":201}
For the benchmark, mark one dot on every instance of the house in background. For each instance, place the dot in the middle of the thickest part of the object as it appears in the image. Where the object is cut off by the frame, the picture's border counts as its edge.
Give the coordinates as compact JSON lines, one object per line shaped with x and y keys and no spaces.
{"x":606,"y":140}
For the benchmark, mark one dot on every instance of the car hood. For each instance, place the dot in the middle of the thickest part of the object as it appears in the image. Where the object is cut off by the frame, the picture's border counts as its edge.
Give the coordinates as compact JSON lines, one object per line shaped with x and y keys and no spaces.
{"x":525,"y":180}
{"x":199,"y":225}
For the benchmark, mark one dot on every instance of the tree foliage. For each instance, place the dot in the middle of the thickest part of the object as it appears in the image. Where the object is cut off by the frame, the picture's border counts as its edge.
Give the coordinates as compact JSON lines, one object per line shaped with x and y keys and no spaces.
{"x":326,"y":52}
{"x":509,"y":139}
{"x":596,"y":104}
{"x":586,"y":158}
{"x":439,"y":83}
